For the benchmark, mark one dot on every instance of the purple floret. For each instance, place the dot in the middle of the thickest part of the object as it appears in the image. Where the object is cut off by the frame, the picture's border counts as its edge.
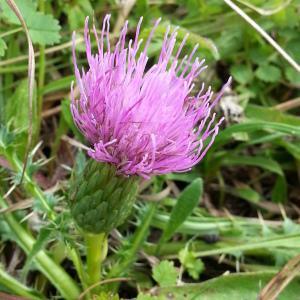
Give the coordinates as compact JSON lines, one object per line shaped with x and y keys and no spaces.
{"x":143,"y":120}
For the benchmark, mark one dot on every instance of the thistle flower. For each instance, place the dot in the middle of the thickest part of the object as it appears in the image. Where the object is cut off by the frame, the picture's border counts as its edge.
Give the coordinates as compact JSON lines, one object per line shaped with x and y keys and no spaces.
{"x":142,"y":120}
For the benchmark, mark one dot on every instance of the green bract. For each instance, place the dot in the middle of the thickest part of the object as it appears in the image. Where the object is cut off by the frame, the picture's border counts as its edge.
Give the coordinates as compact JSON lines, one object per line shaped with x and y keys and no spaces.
{"x":100,"y":199}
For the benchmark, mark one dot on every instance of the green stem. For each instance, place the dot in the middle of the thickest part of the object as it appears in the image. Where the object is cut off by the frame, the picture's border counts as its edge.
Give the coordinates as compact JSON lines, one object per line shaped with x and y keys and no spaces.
{"x":55,"y":273}
{"x":75,"y":256}
{"x":96,"y":250}
{"x":16,"y":287}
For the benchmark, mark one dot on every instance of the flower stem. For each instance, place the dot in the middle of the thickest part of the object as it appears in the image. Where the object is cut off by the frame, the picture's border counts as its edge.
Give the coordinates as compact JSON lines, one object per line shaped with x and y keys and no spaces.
{"x":96,"y":250}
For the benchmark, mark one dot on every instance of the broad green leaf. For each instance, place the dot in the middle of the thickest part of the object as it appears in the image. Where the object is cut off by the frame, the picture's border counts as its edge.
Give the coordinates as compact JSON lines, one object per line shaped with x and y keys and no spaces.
{"x":242,"y":73}
{"x":186,"y":202}
{"x":256,"y":161}
{"x":3,"y":47}
{"x":165,"y":273}
{"x":268,"y":73}
{"x":25,"y":6}
{"x":43,"y":29}
{"x":242,"y":286}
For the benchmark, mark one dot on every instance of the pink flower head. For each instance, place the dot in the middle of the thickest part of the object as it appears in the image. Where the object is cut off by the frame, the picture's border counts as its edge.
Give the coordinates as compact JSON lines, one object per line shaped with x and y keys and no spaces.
{"x":143,"y":120}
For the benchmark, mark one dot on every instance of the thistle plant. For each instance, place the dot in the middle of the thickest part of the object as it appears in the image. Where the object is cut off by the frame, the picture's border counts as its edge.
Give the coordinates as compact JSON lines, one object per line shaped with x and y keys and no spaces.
{"x":140,"y":121}
{"x":144,"y":116}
